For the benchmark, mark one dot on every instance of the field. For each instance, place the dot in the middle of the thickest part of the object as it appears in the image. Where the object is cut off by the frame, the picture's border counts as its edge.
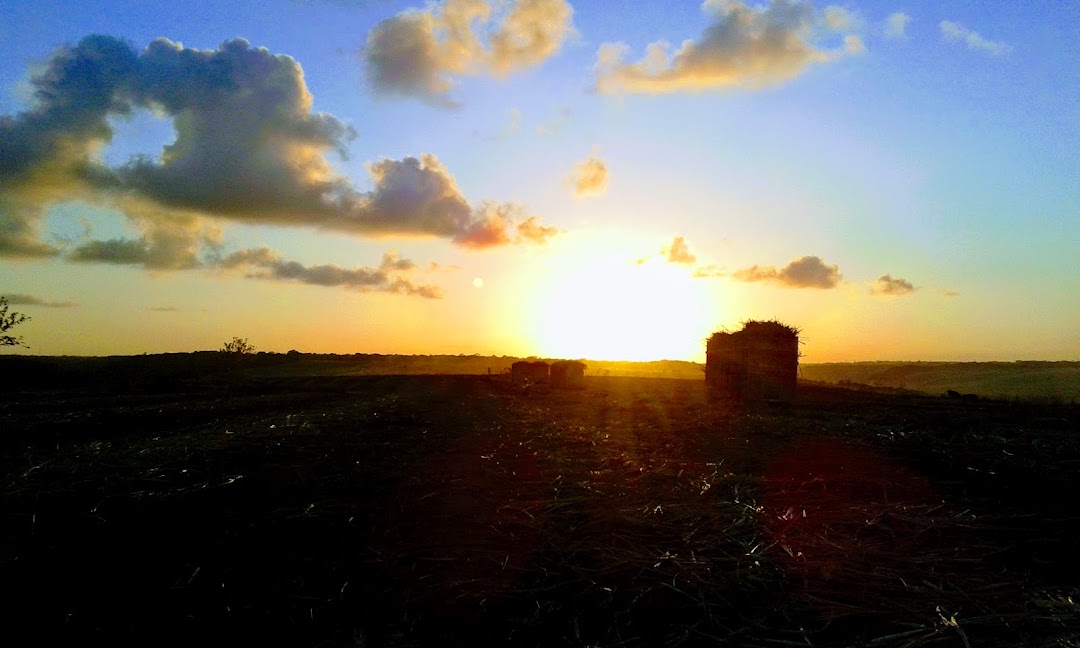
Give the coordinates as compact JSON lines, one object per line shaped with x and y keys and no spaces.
{"x":262,"y":505}
{"x":1051,"y":381}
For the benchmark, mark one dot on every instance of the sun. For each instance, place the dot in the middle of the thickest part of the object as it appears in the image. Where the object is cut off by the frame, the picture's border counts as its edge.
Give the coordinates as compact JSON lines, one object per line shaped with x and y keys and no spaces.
{"x":612,"y":308}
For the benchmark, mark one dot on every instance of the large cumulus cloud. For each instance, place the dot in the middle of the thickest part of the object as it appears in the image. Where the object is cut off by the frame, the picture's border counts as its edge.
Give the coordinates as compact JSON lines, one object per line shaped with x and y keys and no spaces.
{"x":422,"y":53}
{"x":248,"y":148}
{"x":743,"y":46}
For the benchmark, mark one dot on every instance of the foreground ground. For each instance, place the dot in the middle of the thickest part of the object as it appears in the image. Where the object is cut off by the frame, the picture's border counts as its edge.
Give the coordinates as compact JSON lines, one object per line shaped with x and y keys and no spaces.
{"x":431,"y":510}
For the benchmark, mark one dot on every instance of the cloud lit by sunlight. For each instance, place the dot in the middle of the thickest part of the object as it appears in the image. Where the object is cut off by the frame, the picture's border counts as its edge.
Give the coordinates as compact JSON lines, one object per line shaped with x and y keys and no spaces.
{"x":422,"y":53}
{"x":744,"y":45}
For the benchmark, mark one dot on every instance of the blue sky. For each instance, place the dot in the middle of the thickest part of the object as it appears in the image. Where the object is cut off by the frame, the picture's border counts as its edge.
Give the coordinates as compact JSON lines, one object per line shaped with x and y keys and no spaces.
{"x":909,"y":193}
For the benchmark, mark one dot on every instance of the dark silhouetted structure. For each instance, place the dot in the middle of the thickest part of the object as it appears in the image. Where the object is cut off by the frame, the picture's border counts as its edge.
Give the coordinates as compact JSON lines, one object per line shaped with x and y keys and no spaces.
{"x":567,"y":373}
{"x":758,"y":363}
{"x":531,"y":372}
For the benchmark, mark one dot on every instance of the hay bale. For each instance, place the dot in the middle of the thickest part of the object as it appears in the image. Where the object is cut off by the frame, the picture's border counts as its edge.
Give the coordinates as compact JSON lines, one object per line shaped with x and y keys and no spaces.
{"x":760,"y":362}
{"x":528,"y":372}
{"x":567,"y":373}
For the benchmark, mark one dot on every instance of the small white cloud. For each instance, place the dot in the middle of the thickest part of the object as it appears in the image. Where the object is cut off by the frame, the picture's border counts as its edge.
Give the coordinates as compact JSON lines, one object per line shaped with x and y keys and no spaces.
{"x":956,"y":32}
{"x":839,"y":19}
{"x":896,"y":25}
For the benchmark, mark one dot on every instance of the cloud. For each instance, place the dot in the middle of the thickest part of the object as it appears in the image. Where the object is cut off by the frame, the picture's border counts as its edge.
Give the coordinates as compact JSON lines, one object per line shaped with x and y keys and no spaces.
{"x":421,"y":53}
{"x":489,"y":230}
{"x":513,"y":127}
{"x":744,"y":46}
{"x":29,"y":300}
{"x":117,"y":251}
{"x":888,"y":285}
{"x":391,"y":260}
{"x":20,"y":224}
{"x":164,"y":309}
{"x":169,"y":242}
{"x":896,"y":25}
{"x":805,"y":272}
{"x":416,"y":194}
{"x":265,"y":263}
{"x":532,"y":231}
{"x":956,"y":32}
{"x":248,"y":149}
{"x":950,"y":293}
{"x":589,"y":178}
{"x":678,"y":252}
{"x":707,"y":271}
{"x":555,"y":125}
{"x":839,"y":19}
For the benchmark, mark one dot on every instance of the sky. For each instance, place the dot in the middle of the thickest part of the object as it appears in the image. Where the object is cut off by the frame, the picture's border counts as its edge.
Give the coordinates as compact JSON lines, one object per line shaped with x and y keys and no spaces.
{"x":608,"y":180}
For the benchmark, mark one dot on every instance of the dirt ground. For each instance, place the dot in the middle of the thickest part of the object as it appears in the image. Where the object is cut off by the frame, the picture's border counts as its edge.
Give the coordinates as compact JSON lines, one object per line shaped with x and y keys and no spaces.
{"x":466,"y":510}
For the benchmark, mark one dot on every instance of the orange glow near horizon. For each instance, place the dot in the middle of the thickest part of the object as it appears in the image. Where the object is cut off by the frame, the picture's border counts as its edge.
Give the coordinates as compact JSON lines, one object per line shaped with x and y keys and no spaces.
{"x":608,"y":308}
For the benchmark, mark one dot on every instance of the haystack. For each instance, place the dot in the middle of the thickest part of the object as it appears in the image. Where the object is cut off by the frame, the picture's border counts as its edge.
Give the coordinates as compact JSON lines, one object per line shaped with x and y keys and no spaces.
{"x":760,"y":362}
{"x":529,"y":372}
{"x":567,"y":373}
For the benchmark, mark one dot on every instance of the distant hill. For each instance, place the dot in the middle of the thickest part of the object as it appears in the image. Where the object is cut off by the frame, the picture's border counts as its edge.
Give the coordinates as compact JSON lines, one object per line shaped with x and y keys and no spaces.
{"x":169,"y":370}
{"x":1025,"y":379}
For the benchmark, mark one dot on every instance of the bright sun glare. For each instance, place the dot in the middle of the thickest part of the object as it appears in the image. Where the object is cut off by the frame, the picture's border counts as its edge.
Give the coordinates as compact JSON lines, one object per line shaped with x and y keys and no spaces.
{"x":609,"y":308}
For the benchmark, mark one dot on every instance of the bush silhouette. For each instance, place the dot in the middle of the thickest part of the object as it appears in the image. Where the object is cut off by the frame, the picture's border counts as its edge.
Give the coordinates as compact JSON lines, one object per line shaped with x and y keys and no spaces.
{"x":238,"y":346}
{"x":8,"y":322}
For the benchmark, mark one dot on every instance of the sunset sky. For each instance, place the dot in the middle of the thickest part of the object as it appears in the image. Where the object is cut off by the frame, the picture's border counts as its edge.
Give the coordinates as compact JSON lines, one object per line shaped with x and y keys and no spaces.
{"x":606,"y":180}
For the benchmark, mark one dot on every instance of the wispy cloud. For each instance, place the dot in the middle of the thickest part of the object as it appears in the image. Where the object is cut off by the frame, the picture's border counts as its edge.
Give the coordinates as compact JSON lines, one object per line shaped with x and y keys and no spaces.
{"x":30,"y":300}
{"x":896,"y":25}
{"x":889,"y":285}
{"x":956,"y":32}
{"x":265,"y":263}
{"x":744,"y":46}
{"x":553,"y":126}
{"x":805,"y":272}
{"x":589,"y":178}
{"x":515,"y":123}
{"x":164,"y":309}
{"x":422,"y":53}
{"x":707,"y":271}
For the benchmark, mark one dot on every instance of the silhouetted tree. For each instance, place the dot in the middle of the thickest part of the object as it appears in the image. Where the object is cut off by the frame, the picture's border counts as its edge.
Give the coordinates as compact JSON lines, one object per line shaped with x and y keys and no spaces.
{"x":238,"y":346}
{"x":8,"y":322}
